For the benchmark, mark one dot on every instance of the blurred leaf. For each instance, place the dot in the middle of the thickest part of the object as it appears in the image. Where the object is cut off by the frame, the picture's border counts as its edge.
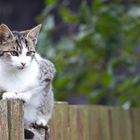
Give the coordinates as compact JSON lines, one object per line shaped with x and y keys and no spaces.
{"x":51,"y":2}
{"x":68,"y":16}
{"x":95,"y":49}
{"x":106,"y":80}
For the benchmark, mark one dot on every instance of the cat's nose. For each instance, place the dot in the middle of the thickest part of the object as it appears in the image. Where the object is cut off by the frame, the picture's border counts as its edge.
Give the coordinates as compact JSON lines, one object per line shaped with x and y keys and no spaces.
{"x":23,"y":63}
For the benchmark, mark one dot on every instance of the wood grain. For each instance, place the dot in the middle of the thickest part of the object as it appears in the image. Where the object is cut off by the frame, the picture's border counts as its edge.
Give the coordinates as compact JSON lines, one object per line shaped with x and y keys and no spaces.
{"x":121,"y":124}
{"x":59,"y":122}
{"x":74,"y":122}
{"x":4,"y":135}
{"x":15,"y":120}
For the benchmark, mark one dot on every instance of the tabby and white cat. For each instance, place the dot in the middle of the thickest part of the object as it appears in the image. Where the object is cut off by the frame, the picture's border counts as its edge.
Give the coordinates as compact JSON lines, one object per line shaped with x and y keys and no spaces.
{"x":25,"y":75}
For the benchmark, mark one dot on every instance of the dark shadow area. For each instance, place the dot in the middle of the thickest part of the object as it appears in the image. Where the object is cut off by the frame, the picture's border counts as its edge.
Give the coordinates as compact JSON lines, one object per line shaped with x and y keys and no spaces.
{"x":19,"y":14}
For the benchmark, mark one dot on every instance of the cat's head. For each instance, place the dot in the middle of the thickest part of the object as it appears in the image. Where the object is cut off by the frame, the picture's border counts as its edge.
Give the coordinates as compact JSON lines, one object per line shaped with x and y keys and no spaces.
{"x":17,"y":49}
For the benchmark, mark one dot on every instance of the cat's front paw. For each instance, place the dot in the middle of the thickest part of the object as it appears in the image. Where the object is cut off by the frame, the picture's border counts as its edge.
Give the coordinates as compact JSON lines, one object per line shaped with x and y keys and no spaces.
{"x":41,"y":122}
{"x":23,"y":97}
{"x":9,"y":95}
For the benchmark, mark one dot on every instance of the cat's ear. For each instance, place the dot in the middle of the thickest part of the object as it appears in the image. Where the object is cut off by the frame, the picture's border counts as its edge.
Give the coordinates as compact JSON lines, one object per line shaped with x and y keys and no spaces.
{"x":33,"y":33}
{"x":5,"y":33}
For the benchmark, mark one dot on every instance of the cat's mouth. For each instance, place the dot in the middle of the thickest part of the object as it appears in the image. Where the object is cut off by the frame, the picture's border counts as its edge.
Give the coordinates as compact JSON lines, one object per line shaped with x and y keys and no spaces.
{"x":21,"y":67}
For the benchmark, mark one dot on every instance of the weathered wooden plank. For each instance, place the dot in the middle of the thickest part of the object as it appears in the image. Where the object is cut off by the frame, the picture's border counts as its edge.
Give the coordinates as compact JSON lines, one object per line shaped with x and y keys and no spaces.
{"x":104,"y":123}
{"x":73,"y":125}
{"x":121,"y":124}
{"x":3,"y":121}
{"x":99,"y":128}
{"x":93,"y":124}
{"x":135,"y":113}
{"x":83,"y":122}
{"x":59,"y":122}
{"x":15,"y":120}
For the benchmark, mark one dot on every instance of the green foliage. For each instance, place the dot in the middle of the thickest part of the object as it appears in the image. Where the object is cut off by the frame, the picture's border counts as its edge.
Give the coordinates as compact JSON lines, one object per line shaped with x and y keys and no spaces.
{"x":100,"y":60}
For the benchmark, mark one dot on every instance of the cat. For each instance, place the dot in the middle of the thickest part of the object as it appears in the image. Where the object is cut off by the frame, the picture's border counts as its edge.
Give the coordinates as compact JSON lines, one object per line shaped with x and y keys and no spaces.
{"x":25,"y":75}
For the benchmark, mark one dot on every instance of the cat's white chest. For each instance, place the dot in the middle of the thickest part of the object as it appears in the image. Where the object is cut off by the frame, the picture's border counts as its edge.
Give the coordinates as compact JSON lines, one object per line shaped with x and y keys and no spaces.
{"x":18,"y":81}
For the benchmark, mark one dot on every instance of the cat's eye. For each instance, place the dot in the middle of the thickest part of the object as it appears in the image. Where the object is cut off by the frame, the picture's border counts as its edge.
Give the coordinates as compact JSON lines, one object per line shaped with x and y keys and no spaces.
{"x":14,"y":53}
{"x":30,"y":53}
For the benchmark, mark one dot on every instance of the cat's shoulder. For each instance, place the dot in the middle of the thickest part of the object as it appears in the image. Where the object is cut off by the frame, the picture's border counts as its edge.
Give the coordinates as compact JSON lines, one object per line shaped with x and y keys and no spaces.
{"x":46,"y":66}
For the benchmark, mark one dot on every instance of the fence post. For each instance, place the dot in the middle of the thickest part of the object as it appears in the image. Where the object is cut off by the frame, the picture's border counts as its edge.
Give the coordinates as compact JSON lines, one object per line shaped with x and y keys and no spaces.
{"x":11,"y":120}
{"x":3,"y":121}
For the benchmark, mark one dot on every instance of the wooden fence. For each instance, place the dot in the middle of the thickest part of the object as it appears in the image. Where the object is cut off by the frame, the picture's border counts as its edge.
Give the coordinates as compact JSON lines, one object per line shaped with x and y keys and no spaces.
{"x":11,"y":120}
{"x":75,"y":122}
